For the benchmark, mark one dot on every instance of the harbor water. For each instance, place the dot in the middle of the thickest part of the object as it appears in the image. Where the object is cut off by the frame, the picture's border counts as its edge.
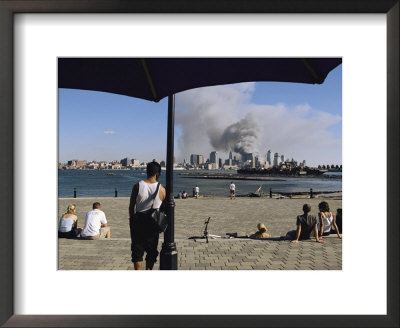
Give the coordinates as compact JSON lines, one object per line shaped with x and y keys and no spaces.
{"x":102,"y":183}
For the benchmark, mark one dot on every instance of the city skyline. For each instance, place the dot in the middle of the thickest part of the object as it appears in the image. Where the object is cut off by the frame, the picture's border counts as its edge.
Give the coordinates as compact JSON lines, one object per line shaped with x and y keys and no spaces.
{"x":302,"y":121}
{"x":270,"y":159}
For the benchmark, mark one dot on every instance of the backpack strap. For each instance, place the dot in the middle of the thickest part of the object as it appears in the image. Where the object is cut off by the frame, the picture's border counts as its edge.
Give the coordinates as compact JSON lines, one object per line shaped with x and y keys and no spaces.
{"x":155,"y":194}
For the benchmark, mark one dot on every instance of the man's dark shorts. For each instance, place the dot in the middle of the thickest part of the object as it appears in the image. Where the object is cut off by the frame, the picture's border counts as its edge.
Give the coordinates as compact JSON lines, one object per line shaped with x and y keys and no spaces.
{"x":144,"y":236}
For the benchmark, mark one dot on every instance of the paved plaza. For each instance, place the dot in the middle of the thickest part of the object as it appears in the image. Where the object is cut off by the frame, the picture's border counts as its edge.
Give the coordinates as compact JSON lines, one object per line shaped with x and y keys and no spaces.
{"x":227,"y":216}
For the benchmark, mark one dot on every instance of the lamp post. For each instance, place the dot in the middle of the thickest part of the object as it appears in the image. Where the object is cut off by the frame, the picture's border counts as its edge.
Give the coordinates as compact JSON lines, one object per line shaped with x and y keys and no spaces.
{"x":169,"y":254}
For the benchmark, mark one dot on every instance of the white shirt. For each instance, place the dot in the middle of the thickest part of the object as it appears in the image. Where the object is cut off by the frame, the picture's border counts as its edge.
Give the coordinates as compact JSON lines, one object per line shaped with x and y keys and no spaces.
{"x":232,"y":186}
{"x":93,"y":221}
{"x":197,"y":189}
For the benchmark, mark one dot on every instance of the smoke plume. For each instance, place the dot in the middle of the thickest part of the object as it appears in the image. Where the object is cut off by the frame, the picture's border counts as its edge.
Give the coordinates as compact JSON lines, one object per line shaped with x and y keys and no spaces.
{"x":225,"y":118}
{"x":239,"y":137}
{"x":213,"y":119}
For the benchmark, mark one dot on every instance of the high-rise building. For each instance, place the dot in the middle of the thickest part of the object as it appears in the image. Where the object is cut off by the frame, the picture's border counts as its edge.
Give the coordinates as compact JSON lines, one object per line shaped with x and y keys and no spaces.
{"x":269,"y":160}
{"x":276,"y":157}
{"x":220,"y":162}
{"x":125,"y":161}
{"x":196,"y":159}
{"x":201,"y":159}
{"x":282,"y":158}
{"x":230,"y":155}
{"x":213,"y":157}
{"x":192,"y":159}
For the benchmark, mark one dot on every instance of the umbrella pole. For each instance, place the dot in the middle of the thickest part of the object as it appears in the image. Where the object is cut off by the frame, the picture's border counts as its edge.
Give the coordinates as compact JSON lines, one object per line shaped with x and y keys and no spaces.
{"x":169,"y":254}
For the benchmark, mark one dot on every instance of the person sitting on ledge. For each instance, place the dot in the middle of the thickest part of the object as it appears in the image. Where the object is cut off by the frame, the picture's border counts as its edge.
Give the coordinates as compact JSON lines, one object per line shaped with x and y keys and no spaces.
{"x":95,"y":224}
{"x":338,"y":221}
{"x":327,"y":220}
{"x":261,"y":233}
{"x":306,"y":224}
{"x":184,"y":195}
{"x":68,"y":226}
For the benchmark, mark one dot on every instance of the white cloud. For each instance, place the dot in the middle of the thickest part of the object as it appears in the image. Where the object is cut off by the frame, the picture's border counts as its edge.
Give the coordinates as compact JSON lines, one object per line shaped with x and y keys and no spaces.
{"x":110,"y":132}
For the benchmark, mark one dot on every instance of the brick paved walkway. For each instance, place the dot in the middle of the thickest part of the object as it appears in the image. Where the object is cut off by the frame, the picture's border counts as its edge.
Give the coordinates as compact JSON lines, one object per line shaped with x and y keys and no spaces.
{"x":223,"y":254}
{"x":240,"y":215}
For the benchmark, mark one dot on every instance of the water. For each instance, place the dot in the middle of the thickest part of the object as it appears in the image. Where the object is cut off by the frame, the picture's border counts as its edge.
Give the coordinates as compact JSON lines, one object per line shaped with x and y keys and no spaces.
{"x":96,"y":183}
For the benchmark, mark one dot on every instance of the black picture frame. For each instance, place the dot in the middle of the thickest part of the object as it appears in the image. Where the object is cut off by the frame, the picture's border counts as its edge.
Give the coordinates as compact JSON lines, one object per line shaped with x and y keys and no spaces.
{"x":10,"y":7}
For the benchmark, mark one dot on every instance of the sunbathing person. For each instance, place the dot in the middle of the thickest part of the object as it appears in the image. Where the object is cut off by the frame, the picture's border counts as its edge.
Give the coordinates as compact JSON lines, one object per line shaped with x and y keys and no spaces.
{"x":261,"y":233}
{"x":68,"y":225}
{"x":327,"y":220}
{"x":306,"y":224}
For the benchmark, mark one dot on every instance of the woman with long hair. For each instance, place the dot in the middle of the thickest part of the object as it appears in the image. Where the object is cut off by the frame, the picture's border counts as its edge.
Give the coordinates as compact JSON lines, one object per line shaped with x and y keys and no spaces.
{"x":327,"y":220}
{"x":68,"y":225}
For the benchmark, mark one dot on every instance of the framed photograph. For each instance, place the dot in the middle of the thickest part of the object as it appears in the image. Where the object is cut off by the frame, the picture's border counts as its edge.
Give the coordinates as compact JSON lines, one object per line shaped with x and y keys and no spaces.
{"x":26,"y":193}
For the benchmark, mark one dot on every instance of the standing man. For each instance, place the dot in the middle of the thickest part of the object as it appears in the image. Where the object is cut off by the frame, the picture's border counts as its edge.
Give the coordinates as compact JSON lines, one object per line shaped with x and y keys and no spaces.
{"x":95,"y":226}
{"x":232,"y":189}
{"x":144,"y":233}
{"x":196,"y":191}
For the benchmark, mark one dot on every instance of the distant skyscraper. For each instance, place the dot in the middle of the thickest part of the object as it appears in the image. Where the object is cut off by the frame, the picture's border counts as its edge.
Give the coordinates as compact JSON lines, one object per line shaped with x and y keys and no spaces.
{"x":213,"y":157}
{"x":126,"y":161}
{"x":276,"y":156}
{"x":282,"y":158}
{"x":269,"y":160}
{"x":230,"y":155}
{"x":196,"y":159}
{"x":219,"y":162}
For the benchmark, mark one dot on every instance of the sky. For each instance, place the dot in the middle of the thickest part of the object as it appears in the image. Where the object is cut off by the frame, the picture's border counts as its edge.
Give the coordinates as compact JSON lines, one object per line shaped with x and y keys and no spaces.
{"x":300,"y":121}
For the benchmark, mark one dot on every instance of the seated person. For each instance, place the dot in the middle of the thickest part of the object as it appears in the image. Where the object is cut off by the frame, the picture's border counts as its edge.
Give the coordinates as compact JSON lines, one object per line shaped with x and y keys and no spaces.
{"x":261,"y":233}
{"x":338,"y":221}
{"x":68,"y":226}
{"x":184,"y":195}
{"x":327,"y":220}
{"x":95,"y":224}
{"x":306,"y":223}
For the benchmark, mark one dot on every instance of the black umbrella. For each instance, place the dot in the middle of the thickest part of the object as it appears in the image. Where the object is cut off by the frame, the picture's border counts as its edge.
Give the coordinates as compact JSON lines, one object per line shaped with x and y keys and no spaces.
{"x":156,"y":78}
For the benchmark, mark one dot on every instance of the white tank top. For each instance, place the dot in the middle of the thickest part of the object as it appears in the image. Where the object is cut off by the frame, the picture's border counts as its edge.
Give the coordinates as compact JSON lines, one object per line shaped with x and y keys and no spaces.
{"x":144,"y":199}
{"x":327,"y":221}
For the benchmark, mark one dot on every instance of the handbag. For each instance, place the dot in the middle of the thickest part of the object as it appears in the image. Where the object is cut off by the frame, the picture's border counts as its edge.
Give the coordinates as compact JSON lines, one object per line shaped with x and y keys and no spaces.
{"x":158,"y":217}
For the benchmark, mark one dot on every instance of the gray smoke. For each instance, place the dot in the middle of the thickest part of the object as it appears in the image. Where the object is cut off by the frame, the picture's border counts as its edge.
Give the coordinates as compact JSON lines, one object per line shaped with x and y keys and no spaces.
{"x":212,"y":119}
{"x":239,"y":137}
